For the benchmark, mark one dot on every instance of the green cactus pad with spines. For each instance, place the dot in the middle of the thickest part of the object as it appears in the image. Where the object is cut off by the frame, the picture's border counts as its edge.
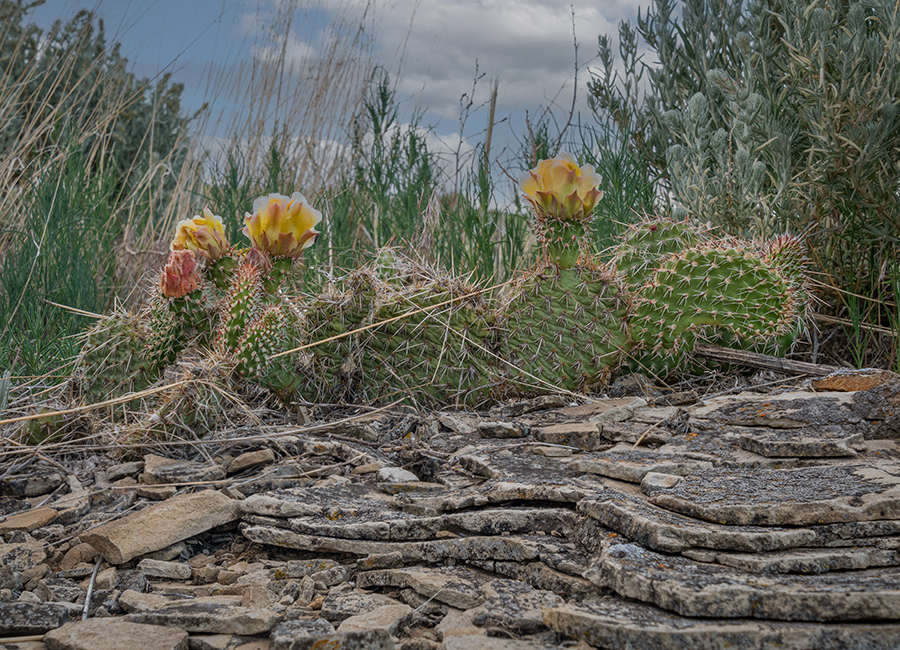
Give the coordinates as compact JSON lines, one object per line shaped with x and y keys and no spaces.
{"x":435,"y":350}
{"x":166,"y":335}
{"x":240,"y":306}
{"x":332,"y":366}
{"x":722,"y":295}
{"x":647,"y":243}
{"x":115,"y":358}
{"x":563,"y":329}
{"x":564,"y":241}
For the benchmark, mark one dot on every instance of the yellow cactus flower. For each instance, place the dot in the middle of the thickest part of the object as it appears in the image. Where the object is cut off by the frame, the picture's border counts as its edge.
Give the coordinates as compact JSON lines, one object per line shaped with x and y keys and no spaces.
{"x":558,"y":188}
{"x":181,"y":275}
{"x":203,"y":235}
{"x":282,"y":226}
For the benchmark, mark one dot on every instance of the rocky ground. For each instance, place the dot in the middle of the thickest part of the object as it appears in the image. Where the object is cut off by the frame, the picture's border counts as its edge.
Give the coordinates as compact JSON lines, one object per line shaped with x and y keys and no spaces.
{"x":748,"y":520}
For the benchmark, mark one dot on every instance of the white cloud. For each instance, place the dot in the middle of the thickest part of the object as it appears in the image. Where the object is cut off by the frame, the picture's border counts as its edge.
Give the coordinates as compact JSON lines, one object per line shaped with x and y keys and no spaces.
{"x":528,"y":44}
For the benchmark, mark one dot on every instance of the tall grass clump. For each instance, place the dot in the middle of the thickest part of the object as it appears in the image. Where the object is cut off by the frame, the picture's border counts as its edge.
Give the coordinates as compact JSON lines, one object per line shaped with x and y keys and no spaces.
{"x":64,"y":252}
{"x":90,"y":155}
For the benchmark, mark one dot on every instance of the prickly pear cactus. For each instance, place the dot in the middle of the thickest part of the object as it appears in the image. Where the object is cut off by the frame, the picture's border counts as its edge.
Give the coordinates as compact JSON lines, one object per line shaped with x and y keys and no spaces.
{"x":718,"y":293}
{"x":405,"y":330}
{"x":117,"y":356}
{"x":644,"y":245}
{"x":563,"y":328}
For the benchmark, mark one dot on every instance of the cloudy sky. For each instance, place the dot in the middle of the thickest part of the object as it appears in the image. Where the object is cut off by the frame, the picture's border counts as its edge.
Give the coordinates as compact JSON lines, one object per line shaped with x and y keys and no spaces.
{"x":430,"y":47}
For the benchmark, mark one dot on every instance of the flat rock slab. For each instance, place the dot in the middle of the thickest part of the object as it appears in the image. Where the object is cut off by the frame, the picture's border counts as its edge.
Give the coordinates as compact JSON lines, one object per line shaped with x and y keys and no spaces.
{"x":669,"y":532}
{"x":210,"y":618}
{"x":504,"y":548}
{"x":582,"y":435}
{"x":318,"y":634}
{"x":160,"y":470}
{"x":692,"y":588}
{"x":550,"y":489}
{"x":332,"y":502}
{"x":797,"y":497}
{"x":31,"y":618}
{"x":827,"y":441}
{"x":161,"y":525}
{"x":458,"y":587}
{"x":790,"y":410}
{"x":515,"y":606}
{"x":803,"y":560}
{"x":616,"y":624}
{"x":627,"y":464}
{"x":477,"y":642}
{"x":115,"y":634}
{"x":341,"y":605}
{"x":396,"y":525}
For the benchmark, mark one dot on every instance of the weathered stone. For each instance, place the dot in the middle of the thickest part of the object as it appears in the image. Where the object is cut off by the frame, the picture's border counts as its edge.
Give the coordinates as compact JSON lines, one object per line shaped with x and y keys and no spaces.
{"x":583,"y":435}
{"x":31,"y":618}
{"x":692,"y":588}
{"x":115,"y":634}
{"x":454,"y":586}
{"x":385,"y":617}
{"x":659,"y":529}
{"x":396,"y":475}
{"x":210,"y":618}
{"x":28,"y":521}
{"x":463,"y":548}
{"x":76,"y":555}
{"x":123,"y":470}
{"x":820,"y":442}
{"x":168,"y":570}
{"x":803,"y":496}
{"x":341,"y":605}
{"x":515,"y":606}
{"x":619,"y":624}
{"x":33,"y":484}
{"x":159,"y":470}
{"x":499,"y":429}
{"x":847,"y":380}
{"x":157,"y":493}
{"x":250,"y":459}
{"x":160,"y":525}
{"x":318,"y":633}
{"x":627,"y":464}
{"x":470,"y":642}
{"x":23,"y":555}
{"x":806,"y":561}
{"x":72,"y":506}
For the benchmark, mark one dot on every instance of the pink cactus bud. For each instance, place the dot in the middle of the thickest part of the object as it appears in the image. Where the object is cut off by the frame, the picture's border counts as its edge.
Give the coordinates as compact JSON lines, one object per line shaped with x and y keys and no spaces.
{"x":203,"y":235}
{"x":181,"y":276}
{"x":560,"y":189}
{"x":282,"y":226}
